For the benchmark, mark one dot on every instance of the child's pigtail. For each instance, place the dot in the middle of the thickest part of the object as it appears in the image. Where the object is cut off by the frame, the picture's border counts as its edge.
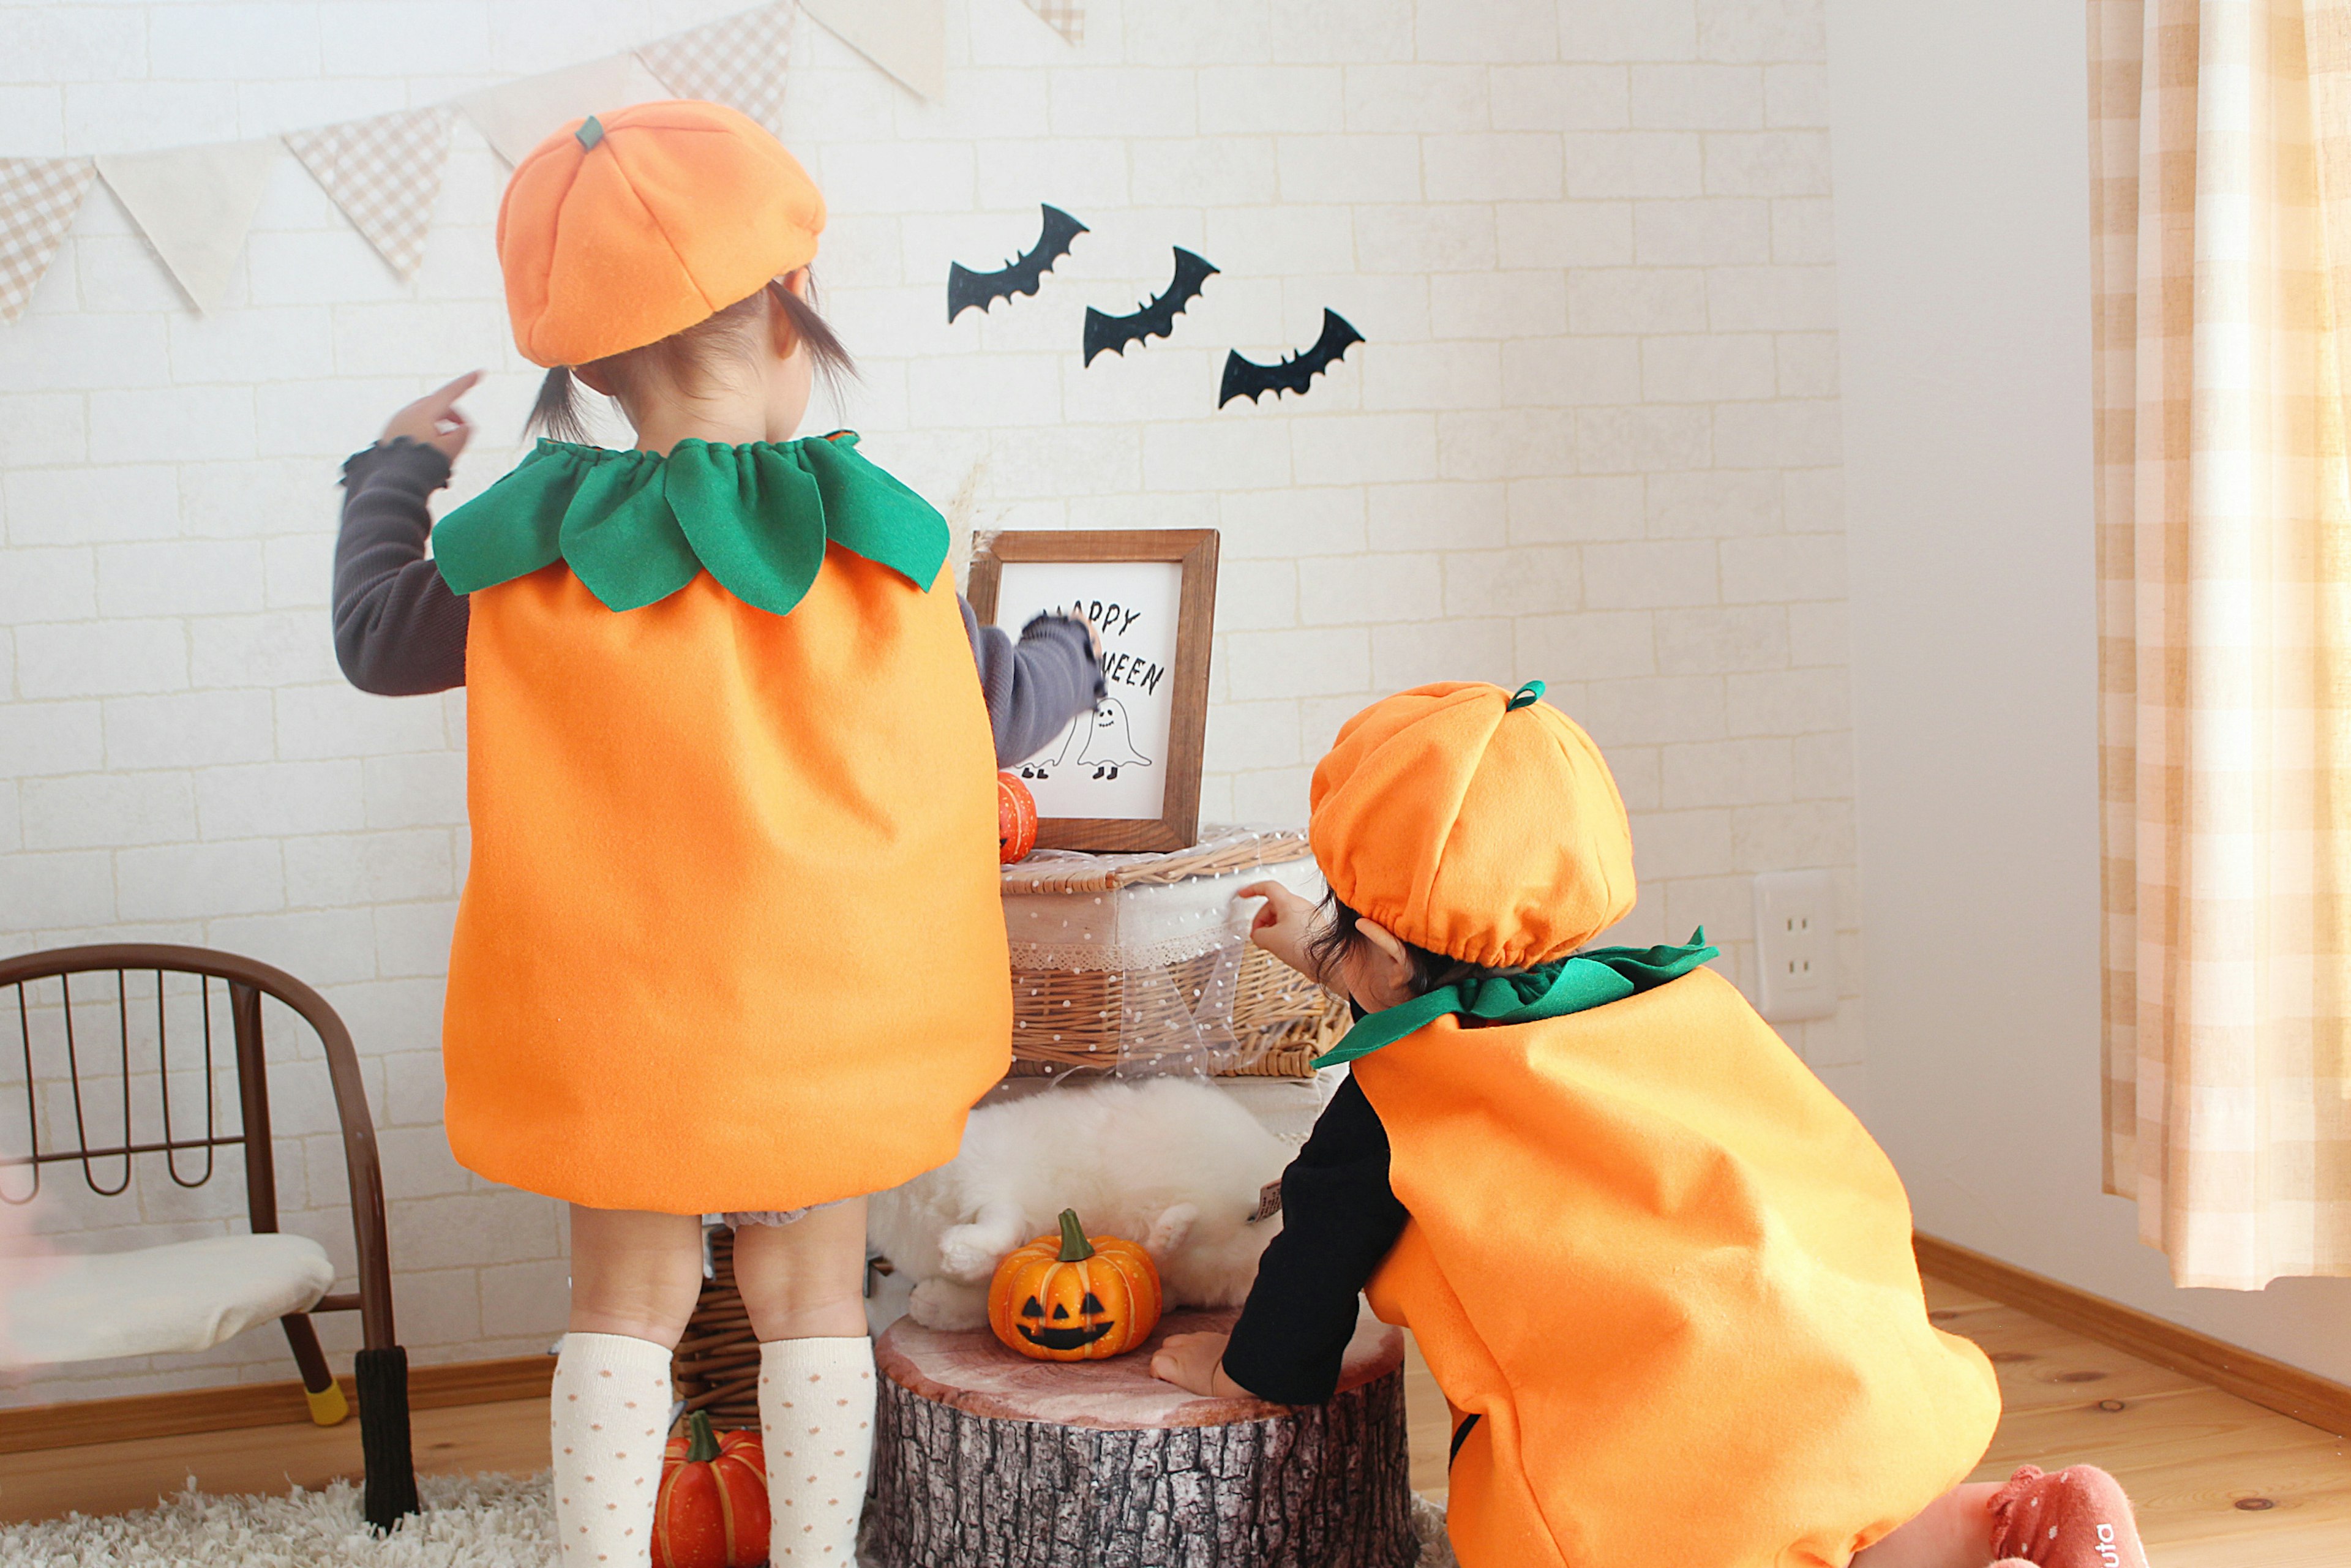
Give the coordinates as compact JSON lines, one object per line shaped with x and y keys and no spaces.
{"x":827,"y":353}
{"x":556,"y":411}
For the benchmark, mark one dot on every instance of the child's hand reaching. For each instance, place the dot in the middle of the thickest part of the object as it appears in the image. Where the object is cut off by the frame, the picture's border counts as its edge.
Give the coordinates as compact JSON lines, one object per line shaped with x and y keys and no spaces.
{"x":433,"y":419}
{"x":1283,"y":925}
{"x":1196,"y":1362}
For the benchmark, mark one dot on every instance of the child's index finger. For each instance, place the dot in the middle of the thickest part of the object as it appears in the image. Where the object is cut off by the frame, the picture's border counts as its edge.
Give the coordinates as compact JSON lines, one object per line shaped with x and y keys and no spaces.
{"x":449,"y":391}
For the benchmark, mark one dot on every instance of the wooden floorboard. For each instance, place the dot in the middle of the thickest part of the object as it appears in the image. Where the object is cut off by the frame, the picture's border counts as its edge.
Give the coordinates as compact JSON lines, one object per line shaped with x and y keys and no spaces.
{"x":2219,"y":1482}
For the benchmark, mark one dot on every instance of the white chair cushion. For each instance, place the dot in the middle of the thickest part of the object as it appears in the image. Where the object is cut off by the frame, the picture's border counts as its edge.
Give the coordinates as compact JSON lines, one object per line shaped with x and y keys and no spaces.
{"x":190,"y":1295}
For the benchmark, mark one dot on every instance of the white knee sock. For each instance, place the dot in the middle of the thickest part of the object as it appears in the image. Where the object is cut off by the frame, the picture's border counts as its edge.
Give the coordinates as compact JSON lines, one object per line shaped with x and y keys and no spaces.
{"x":816,"y":1418}
{"x":608,"y":1405}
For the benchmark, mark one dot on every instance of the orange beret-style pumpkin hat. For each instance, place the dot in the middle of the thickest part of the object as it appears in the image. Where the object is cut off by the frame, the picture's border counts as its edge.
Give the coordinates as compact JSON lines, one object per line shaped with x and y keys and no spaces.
{"x":622,"y":229}
{"x":1475,"y":823}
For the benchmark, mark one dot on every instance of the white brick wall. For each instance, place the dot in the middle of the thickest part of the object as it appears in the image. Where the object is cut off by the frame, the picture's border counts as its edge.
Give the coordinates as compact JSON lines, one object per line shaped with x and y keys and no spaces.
{"x":1592,"y":438}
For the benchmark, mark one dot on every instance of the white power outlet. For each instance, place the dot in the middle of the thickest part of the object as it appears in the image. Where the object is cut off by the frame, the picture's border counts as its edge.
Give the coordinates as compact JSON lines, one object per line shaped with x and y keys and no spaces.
{"x":1795,"y":945}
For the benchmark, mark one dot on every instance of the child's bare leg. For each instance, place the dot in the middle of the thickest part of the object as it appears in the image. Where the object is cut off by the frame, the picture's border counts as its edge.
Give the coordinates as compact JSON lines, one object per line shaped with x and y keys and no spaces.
{"x":804,"y":1286}
{"x":634,"y":1281}
{"x":805,"y":1279}
{"x":634,"y":1274}
{"x":1952,"y":1532}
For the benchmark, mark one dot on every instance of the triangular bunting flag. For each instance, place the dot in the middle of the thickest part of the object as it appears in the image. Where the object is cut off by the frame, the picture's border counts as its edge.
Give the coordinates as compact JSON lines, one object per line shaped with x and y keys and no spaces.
{"x":194,"y":203}
{"x":38,"y":199}
{"x":518,"y":115}
{"x":736,"y":60}
{"x":384,"y":173}
{"x":905,"y":38}
{"x":1067,"y":18}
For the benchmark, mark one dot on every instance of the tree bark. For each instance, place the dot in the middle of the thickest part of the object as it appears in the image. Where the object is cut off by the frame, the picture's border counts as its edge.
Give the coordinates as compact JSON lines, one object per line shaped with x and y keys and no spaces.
{"x":984,"y":1458}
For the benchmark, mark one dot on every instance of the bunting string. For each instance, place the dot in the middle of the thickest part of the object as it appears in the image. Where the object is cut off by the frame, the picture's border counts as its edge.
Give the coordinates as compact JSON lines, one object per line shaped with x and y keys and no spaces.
{"x":194,"y":204}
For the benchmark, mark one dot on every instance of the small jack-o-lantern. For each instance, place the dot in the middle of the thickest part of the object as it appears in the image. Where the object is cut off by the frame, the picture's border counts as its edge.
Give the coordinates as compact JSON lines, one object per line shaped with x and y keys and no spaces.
{"x":1016,"y":819}
{"x":1073,"y":1297}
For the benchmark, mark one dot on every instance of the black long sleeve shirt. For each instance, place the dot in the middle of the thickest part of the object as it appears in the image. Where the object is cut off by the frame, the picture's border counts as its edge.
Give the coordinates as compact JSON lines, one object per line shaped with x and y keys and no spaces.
{"x":399,"y":630}
{"x":1339,"y":1219}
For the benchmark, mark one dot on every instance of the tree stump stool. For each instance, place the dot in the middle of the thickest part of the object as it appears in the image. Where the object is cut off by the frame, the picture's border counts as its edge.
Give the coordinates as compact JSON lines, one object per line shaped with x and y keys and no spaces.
{"x":984,"y":1458}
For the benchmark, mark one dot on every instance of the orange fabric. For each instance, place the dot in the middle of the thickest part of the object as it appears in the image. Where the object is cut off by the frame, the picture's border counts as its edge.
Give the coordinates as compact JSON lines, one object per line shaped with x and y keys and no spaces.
{"x":678,"y":211}
{"x":731,"y":938}
{"x":1493,"y":836}
{"x":1673,"y":1274}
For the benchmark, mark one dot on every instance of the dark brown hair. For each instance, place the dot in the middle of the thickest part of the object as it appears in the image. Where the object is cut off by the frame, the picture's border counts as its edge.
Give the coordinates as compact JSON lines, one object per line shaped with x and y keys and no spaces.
{"x":688,"y":357}
{"x":1335,"y":937}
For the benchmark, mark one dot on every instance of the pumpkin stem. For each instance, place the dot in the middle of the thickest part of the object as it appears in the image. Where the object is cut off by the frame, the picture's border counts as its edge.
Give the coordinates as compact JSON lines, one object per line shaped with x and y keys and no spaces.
{"x":1075,"y":1247}
{"x":701,"y":1442}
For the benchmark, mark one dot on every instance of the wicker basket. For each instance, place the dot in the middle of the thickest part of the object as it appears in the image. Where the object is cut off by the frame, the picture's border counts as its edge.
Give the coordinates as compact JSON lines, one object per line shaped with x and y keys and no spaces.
{"x":716,"y":1365}
{"x":1263,"y":1018}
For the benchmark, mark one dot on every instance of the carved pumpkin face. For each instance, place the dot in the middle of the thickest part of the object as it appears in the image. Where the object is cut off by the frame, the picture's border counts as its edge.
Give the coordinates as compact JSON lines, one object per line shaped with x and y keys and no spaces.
{"x":1073,"y":1297}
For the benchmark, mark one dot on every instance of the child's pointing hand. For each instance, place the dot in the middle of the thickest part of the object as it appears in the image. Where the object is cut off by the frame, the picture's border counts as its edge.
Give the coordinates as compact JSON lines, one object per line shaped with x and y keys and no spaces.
{"x":433,"y":419}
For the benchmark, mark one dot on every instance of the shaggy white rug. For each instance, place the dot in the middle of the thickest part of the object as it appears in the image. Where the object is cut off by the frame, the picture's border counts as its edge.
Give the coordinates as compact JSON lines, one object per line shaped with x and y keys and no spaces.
{"x":478,"y":1521}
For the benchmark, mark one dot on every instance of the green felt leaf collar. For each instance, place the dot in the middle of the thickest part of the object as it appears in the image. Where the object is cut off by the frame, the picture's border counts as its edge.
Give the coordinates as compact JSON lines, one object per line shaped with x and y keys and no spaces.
{"x":1588,"y":979}
{"x":635,"y":526}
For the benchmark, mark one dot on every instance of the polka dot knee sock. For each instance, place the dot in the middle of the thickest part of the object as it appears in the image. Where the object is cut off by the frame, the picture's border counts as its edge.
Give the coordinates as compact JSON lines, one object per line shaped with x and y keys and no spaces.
{"x":816,"y":1418}
{"x":608,"y":1405}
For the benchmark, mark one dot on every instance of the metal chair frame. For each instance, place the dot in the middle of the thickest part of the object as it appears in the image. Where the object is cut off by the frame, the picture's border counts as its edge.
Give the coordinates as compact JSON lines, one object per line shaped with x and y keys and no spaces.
{"x":381,"y":1367}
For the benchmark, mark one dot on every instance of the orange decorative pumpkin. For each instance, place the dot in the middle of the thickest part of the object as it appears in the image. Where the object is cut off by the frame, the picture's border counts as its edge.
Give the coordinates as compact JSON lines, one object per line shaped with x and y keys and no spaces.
{"x":712,"y":1509}
{"x":1016,"y":819}
{"x":1074,"y":1297}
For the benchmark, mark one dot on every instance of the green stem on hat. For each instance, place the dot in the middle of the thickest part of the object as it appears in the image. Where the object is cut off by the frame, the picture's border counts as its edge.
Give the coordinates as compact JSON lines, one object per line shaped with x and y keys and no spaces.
{"x":1526,"y":696}
{"x":701,"y":1442}
{"x":591,"y":132}
{"x":1075,"y":1247}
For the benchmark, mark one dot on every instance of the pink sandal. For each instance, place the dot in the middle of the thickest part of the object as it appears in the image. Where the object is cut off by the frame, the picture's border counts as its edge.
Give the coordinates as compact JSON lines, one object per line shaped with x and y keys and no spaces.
{"x":2077,"y":1517}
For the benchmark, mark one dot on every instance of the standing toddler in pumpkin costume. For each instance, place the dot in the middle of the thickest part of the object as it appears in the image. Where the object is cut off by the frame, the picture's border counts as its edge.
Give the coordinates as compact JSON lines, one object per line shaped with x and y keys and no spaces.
{"x":1662,"y":1277}
{"x":730,"y":735}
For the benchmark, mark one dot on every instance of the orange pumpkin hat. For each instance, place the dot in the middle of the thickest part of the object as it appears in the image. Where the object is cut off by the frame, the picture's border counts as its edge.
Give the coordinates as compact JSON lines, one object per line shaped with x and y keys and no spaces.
{"x":621,"y":229}
{"x":1474,"y":823}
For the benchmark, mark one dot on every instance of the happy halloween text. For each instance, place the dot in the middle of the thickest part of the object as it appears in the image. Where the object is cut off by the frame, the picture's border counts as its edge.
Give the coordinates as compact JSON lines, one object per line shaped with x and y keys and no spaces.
{"x":1115,"y":620}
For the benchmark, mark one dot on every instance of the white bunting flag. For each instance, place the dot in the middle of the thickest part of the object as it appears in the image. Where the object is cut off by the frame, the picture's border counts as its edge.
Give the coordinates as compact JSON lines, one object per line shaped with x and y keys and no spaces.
{"x":905,"y":38}
{"x":518,"y":115}
{"x":194,"y":204}
{"x":383,"y":174}
{"x":736,"y":60}
{"x":1067,"y":18}
{"x":38,"y":199}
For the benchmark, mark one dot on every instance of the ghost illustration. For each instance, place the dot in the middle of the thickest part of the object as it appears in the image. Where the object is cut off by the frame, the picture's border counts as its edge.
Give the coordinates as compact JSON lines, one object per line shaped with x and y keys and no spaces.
{"x":1041,"y":766}
{"x":1110,"y":741}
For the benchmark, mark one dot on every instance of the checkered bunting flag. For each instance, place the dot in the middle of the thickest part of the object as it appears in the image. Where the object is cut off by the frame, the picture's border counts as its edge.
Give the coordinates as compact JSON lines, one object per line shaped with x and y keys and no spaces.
{"x":1067,"y":18}
{"x":736,"y":60}
{"x":384,"y":173}
{"x":38,"y":199}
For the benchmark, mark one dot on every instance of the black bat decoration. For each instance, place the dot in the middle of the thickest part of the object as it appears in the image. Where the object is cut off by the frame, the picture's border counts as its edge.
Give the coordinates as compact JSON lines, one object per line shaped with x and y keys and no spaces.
{"x":967,"y":288}
{"x":1156,"y":319}
{"x":1247,"y":378}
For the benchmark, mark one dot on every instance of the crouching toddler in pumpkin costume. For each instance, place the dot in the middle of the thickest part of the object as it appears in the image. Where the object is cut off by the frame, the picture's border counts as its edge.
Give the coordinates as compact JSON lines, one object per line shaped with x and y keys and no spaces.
{"x":1662,"y":1277}
{"x":729,"y":731}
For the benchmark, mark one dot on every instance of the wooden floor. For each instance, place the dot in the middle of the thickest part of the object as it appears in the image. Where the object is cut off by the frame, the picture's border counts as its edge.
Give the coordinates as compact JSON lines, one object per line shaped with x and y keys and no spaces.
{"x":2218,"y":1483}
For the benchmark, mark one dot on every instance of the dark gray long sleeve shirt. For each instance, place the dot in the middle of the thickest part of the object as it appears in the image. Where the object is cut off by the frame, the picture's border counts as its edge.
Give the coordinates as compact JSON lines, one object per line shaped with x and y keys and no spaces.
{"x":401,"y":632}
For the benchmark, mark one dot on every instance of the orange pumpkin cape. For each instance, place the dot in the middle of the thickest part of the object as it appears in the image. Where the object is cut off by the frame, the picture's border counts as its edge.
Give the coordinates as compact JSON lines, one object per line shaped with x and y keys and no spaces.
{"x":727,"y":763}
{"x":1667,"y":1269}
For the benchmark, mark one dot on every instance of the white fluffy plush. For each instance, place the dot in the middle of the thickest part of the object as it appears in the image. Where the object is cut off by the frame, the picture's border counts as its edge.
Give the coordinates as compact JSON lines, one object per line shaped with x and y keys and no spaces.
{"x":1172,"y":1163}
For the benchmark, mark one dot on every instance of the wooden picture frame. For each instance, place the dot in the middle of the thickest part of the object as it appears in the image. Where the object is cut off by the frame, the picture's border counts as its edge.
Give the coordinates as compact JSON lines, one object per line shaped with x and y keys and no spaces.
{"x":1194,"y":553}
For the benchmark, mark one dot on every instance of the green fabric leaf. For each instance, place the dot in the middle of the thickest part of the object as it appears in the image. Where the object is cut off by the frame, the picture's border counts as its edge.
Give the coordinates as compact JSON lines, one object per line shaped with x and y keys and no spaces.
{"x":620,"y":534}
{"x":635,"y":526}
{"x":1591,"y":979}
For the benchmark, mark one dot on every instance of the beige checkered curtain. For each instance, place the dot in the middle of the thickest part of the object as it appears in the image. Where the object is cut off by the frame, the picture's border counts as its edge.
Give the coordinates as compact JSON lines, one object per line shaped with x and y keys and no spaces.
{"x":2221,"y":170}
